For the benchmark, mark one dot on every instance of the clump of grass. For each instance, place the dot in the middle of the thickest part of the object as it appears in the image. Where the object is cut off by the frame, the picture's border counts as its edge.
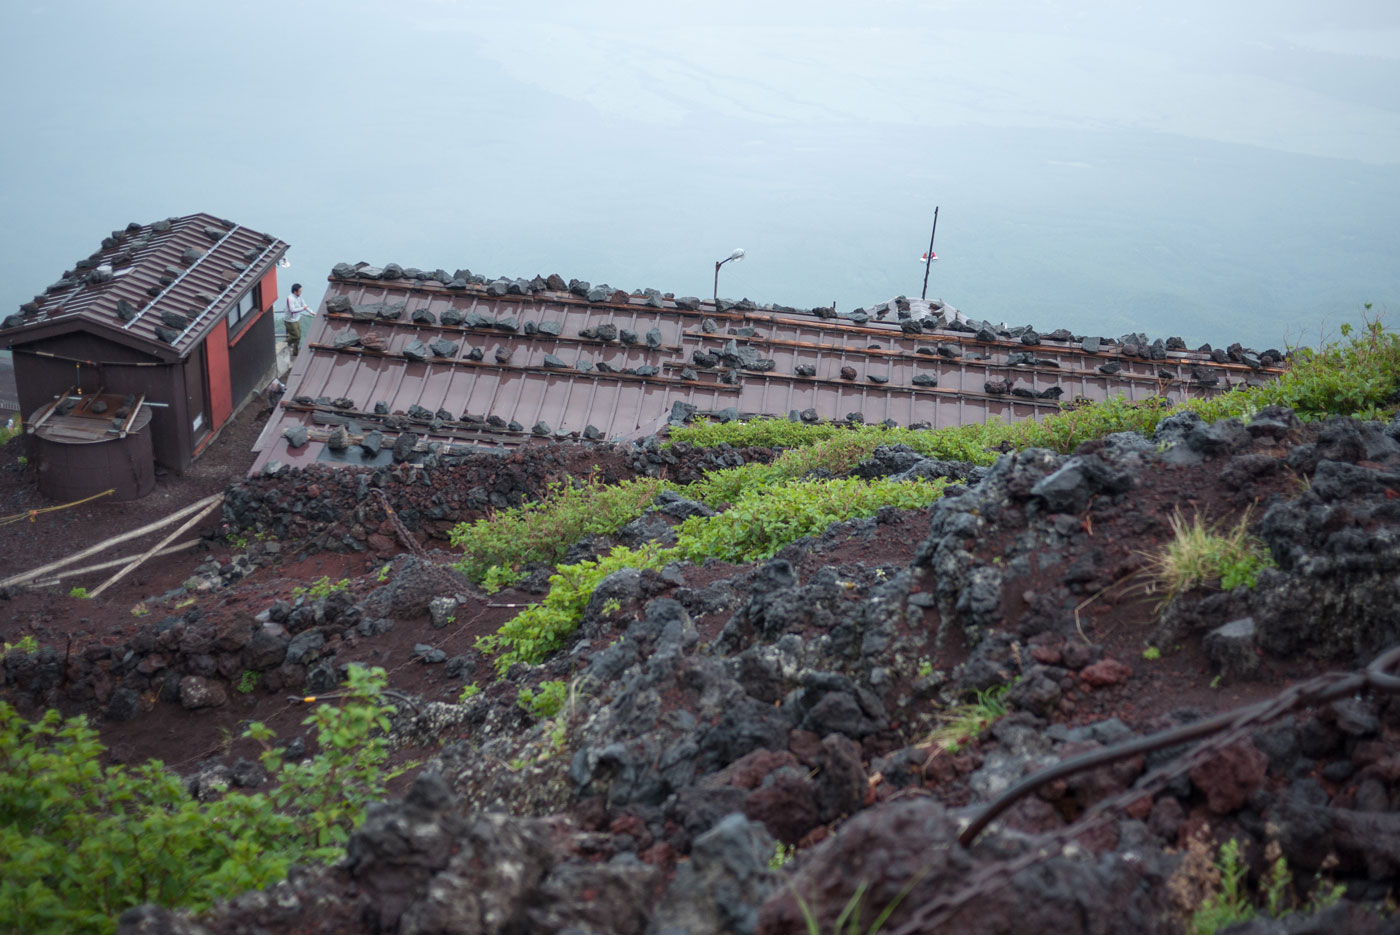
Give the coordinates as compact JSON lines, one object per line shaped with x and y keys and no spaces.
{"x":1199,"y":556}
{"x":961,"y":723}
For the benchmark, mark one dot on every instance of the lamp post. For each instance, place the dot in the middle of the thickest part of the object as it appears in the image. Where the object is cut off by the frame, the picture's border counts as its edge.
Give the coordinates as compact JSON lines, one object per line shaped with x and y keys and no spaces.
{"x":738,"y":254}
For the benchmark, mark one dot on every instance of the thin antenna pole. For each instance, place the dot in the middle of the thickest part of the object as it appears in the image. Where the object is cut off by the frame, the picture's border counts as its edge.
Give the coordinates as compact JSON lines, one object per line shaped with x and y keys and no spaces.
{"x":929,"y":262}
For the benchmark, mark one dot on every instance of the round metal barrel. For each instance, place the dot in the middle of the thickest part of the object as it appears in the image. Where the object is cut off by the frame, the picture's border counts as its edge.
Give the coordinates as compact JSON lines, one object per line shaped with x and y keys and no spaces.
{"x":78,"y":456}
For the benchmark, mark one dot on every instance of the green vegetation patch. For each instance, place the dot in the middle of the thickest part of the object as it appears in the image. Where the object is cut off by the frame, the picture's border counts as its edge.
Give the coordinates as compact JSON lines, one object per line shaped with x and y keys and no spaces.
{"x":1352,"y":376}
{"x":500,"y":544}
{"x":1230,"y":902}
{"x":769,"y":505}
{"x":761,"y":522}
{"x":957,"y":443}
{"x":545,"y":701}
{"x":541,"y":628}
{"x":321,"y":588}
{"x":758,"y":525}
{"x":83,"y":842}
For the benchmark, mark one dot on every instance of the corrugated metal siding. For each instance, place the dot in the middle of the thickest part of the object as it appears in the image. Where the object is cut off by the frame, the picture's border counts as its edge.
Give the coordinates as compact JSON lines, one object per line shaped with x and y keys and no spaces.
{"x":578,"y":400}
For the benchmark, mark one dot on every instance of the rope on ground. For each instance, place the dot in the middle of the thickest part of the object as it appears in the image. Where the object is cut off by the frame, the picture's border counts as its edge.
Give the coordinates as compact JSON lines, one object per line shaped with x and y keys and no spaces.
{"x":33,"y":515}
{"x":405,"y":536}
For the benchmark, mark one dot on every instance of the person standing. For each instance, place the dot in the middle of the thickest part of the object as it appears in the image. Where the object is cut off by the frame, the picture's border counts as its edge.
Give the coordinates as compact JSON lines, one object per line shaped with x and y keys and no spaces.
{"x":296,"y":308}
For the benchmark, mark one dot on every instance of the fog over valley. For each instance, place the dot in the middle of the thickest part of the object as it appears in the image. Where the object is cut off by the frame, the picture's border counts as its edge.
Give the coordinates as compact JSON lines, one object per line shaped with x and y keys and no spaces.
{"x":1218,"y":174}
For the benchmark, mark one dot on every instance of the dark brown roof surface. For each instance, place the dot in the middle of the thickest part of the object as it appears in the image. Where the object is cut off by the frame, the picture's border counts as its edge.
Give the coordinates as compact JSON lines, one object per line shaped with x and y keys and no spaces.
{"x":156,"y":286}
{"x":535,"y":366}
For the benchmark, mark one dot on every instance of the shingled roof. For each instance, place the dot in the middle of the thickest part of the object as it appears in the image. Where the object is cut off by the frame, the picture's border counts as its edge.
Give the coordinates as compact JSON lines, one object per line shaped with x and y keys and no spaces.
{"x":452,"y":359}
{"x":157,"y":287}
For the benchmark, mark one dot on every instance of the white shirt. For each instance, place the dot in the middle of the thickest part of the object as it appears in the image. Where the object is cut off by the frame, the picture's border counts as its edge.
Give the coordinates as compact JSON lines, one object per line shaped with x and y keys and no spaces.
{"x":296,"y":307}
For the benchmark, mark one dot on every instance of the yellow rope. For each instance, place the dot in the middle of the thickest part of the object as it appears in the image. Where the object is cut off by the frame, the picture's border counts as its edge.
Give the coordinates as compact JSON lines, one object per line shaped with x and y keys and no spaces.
{"x":32,"y":515}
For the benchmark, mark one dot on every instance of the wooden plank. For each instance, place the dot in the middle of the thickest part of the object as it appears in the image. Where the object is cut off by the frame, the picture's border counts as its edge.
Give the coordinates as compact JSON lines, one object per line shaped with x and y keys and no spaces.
{"x":108,"y":543}
{"x":135,"y":409}
{"x":113,"y":563}
{"x":135,"y":563}
{"x":48,"y":411}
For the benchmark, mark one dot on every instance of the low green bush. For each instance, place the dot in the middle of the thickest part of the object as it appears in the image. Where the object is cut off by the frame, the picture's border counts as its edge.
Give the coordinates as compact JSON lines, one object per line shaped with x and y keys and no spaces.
{"x":956,"y":443}
{"x":541,"y":628}
{"x":758,"y":525}
{"x":1068,"y":429}
{"x":764,"y":520}
{"x":545,"y":701}
{"x":542,"y":531}
{"x":82,"y":841}
{"x":321,"y":588}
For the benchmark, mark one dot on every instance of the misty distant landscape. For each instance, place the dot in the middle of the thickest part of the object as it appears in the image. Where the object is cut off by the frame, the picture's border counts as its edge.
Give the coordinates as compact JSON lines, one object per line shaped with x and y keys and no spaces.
{"x":1188,"y":171}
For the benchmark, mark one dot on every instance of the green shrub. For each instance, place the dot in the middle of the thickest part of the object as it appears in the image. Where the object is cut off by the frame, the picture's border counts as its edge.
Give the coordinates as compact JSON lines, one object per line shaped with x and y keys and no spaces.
{"x":541,"y":628}
{"x":82,"y":841}
{"x":545,"y":701}
{"x":1068,"y":429}
{"x":759,"y":433}
{"x":763,"y":521}
{"x":543,"y":531}
{"x":957,"y":443}
{"x":321,"y":588}
{"x":757,"y":526}
{"x":1353,"y":376}
{"x":28,"y":643}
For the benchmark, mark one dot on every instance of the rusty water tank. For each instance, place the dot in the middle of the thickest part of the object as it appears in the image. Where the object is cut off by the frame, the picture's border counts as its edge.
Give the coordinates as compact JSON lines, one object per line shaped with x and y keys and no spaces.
{"x":89,"y":448}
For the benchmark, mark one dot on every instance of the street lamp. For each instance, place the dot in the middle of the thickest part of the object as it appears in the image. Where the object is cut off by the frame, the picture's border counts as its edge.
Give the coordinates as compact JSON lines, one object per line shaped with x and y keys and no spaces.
{"x":738,"y":254}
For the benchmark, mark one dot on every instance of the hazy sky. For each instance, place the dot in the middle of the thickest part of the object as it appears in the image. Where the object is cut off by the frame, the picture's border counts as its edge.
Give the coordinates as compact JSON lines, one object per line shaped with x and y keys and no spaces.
{"x":1222,"y":171}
